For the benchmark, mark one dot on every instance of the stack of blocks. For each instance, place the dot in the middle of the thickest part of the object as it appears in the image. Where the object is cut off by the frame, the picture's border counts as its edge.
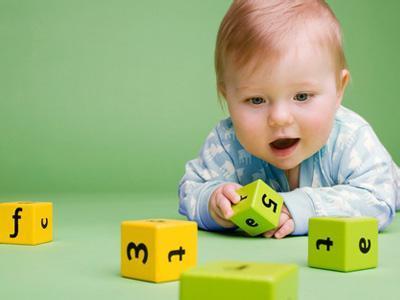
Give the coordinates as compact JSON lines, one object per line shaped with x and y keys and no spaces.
{"x":26,"y":223}
{"x":343,"y":244}
{"x":259,"y":208}
{"x":157,"y":250}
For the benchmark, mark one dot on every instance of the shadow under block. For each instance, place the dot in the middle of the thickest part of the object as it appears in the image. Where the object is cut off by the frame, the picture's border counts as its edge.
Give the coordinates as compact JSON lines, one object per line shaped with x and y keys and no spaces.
{"x":259,"y":208}
{"x":26,"y":223}
{"x":239,"y":281}
{"x":343,"y":243}
{"x":157,"y":250}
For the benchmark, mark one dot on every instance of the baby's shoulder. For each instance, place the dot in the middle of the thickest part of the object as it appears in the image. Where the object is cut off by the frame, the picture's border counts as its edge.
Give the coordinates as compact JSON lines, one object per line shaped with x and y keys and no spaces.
{"x":225,"y":136}
{"x":348,"y":121}
{"x":347,"y":126}
{"x":225,"y":131}
{"x":351,"y":134}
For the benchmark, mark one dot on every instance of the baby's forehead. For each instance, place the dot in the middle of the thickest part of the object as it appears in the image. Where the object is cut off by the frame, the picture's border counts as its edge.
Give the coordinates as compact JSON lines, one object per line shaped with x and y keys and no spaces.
{"x":290,"y":70}
{"x":289,"y":54}
{"x":290,"y":44}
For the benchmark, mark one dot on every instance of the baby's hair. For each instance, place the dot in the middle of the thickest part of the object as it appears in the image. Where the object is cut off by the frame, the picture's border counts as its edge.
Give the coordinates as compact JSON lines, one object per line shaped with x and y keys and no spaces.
{"x":260,"y":29}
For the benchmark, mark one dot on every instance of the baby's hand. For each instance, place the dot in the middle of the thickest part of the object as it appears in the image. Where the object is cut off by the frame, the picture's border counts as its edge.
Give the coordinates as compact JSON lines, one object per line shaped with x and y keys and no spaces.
{"x":285,"y":227}
{"x":220,"y":205}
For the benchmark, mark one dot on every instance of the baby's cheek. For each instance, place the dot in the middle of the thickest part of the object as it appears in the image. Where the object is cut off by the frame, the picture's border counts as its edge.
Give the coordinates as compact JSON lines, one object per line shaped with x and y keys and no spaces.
{"x":247,"y":135}
{"x":252,"y":138}
{"x":320,"y":126}
{"x":249,"y":129}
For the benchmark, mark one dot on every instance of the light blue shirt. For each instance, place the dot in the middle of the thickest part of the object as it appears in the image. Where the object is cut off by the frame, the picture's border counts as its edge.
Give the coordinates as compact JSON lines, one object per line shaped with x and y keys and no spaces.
{"x":352,"y":175}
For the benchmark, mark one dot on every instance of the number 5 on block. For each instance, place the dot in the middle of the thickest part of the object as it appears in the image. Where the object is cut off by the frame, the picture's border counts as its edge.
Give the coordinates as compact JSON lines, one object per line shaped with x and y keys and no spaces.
{"x":259,"y":208}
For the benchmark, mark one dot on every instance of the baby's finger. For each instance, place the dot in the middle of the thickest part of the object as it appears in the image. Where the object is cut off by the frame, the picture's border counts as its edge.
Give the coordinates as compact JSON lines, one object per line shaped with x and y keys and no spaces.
{"x":282,"y":220}
{"x":224,"y":207}
{"x":229,"y":191}
{"x":269,"y":233}
{"x":285,"y":229}
{"x":217,"y":216}
{"x":285,"y":210}
{"x":214,"y":205}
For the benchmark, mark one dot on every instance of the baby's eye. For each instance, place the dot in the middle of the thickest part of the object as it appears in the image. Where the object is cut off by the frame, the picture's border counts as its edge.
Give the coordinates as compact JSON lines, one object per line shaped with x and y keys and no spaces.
{"x":302,"y":97}
{"x":256,"y":100}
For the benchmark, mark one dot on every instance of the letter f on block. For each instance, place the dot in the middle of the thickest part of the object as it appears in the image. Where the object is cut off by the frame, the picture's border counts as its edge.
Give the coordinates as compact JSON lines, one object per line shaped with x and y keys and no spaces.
{"x":16,"y":217}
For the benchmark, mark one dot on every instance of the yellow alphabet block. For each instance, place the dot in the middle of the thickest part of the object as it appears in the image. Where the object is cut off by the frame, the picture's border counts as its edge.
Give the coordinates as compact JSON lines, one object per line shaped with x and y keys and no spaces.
{"x":26,"y":223}
{"x":157,"y":250}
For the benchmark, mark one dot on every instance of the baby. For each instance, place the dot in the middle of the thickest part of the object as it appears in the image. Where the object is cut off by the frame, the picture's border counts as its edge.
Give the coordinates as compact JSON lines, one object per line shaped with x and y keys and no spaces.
{"x":281,"y":69}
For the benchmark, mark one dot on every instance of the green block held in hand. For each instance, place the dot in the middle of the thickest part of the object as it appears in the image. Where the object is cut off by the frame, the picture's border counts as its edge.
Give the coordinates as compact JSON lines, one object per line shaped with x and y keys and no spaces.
{"x":259,"y":208}
{"x":240,"y":281}
{"x":343,"y":243}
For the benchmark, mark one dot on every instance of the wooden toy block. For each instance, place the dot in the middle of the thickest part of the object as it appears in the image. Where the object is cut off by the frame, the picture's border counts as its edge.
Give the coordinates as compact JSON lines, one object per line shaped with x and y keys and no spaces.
{"x":26,"y":223}
{"x":240,"y":280}
{"x":343,"y":243}
{"x":157,"y":250}
{"x":259,"y":208}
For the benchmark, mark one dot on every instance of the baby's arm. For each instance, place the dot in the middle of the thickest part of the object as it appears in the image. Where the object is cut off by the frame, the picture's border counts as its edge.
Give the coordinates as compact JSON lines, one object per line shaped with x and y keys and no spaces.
{"x":361,"y":182}
{"x":204,"y":179}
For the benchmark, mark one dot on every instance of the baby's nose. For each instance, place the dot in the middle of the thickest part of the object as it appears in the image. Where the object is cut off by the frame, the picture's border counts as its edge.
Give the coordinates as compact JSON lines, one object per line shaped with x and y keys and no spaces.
{"x":279,"y":115}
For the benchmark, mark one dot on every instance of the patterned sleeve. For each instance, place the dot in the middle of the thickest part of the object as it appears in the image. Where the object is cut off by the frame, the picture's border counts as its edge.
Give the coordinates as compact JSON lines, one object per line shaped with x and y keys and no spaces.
{"x":203,"y":175}
{"x":363,"y":184}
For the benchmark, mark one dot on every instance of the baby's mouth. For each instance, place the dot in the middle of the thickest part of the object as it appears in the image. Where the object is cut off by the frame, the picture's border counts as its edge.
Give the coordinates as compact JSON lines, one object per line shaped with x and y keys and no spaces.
{"x":281,"y":144}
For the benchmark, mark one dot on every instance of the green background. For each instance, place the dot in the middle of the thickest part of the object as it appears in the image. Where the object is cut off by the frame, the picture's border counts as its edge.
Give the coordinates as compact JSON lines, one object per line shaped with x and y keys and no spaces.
{"x":115,"y":96}
{"x":108,"y":99}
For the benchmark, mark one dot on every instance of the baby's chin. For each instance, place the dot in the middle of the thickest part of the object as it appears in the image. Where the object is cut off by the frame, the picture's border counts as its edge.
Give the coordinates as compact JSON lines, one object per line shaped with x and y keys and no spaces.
{"x":285,"y":166}
{"x":286,"y":163}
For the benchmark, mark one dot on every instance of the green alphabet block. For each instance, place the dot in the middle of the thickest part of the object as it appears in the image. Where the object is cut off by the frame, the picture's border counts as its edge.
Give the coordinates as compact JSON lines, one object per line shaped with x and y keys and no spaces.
{"x":343,"y":243}
{"x":239,"y":281}
{"x":259,"y":208}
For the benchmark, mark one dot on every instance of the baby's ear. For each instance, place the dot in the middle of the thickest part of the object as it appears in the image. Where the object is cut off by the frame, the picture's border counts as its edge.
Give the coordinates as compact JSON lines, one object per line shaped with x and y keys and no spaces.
{"x":344,"y":79}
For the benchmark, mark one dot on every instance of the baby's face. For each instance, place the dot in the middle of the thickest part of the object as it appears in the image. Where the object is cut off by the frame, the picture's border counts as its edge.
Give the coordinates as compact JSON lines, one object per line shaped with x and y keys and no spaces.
{"x":283,"y":111}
